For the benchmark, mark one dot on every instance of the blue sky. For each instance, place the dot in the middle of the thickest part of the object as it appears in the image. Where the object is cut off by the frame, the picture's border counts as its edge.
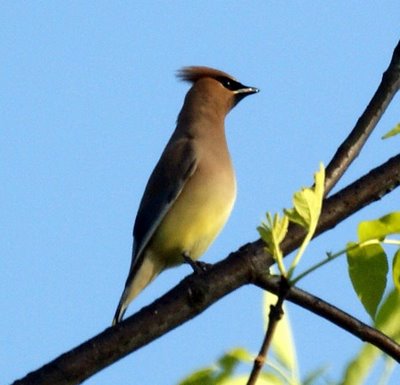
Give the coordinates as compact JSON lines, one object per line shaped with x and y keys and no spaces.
{"x":88,"y":101}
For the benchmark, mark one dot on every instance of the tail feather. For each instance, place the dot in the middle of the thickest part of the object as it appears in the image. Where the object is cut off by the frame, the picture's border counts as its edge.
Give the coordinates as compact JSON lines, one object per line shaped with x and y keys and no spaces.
{"x":119,"y":313}
{"x":139,"y":277}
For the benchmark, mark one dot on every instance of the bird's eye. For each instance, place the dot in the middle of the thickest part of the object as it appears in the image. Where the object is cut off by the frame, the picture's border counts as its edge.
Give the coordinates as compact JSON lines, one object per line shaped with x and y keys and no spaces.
{"x":230,"y":84}
{"x":227,"y":83}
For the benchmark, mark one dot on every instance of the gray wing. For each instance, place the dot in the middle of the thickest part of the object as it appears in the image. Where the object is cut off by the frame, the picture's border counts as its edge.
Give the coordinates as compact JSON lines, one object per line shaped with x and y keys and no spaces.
{"x":176,"y":165}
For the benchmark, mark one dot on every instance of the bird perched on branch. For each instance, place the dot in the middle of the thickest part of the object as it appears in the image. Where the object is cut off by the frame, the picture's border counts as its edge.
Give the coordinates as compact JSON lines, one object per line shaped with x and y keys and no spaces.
{"x":191,"y":191}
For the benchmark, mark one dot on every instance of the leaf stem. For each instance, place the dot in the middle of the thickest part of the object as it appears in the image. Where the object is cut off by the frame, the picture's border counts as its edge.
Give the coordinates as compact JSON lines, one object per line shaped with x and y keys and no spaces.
{"x":391,"y":242}
{"x":300,"y":252}
{"x":331,"y":256}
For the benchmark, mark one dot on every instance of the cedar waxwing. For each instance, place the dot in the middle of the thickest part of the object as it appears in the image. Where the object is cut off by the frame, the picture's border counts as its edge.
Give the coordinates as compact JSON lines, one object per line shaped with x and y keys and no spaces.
{"x":191,"y":191}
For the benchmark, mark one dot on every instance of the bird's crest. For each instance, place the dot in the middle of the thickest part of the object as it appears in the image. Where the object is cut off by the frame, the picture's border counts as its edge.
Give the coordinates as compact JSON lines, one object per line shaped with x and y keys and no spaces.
{"x":193,"y":73}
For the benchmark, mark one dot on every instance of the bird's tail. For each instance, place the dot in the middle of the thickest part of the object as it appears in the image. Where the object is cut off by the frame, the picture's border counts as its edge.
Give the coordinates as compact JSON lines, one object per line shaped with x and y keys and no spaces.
{"x":139,"y":277}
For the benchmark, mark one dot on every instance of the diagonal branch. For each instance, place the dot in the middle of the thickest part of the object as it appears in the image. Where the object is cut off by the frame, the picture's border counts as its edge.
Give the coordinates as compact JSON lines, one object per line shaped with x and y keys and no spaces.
{"x":353,"y":144}
{"x":196,"y":293}
{"x":333,"y":314}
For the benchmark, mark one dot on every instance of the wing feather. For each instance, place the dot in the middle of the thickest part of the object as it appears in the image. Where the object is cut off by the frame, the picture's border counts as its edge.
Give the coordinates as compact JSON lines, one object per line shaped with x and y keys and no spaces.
{"x":176,"y":165}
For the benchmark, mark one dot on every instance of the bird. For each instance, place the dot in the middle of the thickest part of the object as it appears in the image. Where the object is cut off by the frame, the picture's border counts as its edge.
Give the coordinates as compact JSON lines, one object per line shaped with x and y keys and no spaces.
{"x":191,"y":191}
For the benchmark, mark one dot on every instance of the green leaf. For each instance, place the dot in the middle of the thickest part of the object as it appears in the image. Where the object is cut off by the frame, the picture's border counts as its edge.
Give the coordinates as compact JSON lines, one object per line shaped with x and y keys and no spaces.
{"x":268,"y":378}
{"x":200,"y":377}
{"x":221,"y":371}
{"x":273,"y":231}
{"x":230,"y":360}
{"x":306,"y":213}
{"x":388,"y":321}
{"x":368,"y":268}
{"x":308,"y":202}
{"x":394,"y":131}
{"x":379,"y":228}
{"x":396,"y":270}
{"x":360,"y":366}
{"x":283,"y":342}
{"x":314,"y":375}
{"x":263,"y":379}
{"x":388,"y":316}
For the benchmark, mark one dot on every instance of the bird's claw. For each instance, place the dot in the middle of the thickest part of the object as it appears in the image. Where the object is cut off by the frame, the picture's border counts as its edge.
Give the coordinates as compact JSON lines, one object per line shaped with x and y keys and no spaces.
{"x":197,"y":266}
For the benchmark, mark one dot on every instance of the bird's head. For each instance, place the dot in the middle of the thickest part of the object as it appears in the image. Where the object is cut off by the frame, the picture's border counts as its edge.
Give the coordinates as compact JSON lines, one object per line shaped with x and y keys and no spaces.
{"x":215,"y":89}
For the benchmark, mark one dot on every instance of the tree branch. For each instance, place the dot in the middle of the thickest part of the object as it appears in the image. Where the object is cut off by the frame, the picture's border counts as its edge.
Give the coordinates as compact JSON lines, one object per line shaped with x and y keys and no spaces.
{"x":333,"y":314}
{"x":197,"y":292}
{"x":353,"y":144}
{"x":275,"y":315}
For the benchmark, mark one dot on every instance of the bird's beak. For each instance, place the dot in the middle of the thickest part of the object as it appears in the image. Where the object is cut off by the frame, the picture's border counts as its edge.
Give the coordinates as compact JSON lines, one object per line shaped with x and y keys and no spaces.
{"x":242,"y":92}
{"x":246,"y":91}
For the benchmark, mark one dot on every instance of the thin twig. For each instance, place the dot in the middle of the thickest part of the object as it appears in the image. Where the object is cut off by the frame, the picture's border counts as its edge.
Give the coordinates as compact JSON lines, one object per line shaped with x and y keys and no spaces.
{"x":353,"y":144}
{"x":334,"y":315}
{"x":275,"y":315}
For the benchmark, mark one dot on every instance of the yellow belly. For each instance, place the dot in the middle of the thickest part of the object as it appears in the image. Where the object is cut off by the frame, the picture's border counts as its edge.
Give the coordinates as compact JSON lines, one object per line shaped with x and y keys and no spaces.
{"x":193,"y":221}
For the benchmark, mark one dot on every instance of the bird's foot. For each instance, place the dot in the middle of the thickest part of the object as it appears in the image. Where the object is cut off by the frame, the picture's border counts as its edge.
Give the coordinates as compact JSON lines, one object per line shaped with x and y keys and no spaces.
{"x":197,"y":266}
